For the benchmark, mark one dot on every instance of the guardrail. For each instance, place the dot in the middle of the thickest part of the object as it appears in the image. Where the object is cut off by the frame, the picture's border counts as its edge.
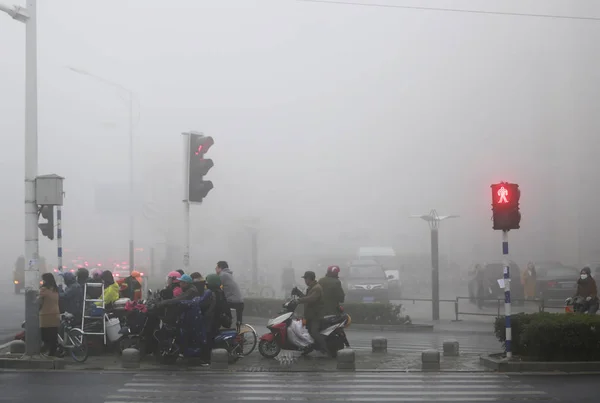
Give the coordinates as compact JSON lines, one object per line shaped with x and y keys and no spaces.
{"x":499,"y":302}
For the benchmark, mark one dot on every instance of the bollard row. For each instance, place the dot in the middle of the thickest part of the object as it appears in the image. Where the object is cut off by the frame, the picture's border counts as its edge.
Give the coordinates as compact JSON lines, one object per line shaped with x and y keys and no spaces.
{"x":379,"y":345}
{"x":219,"y":359}
{"x":130,"y":358}
{"x":346,"y":360}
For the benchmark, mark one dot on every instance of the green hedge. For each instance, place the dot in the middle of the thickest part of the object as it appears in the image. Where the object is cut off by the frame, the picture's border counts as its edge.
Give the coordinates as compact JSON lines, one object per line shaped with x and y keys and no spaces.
{"x":553,"y":337}
{"x":376,"y":314}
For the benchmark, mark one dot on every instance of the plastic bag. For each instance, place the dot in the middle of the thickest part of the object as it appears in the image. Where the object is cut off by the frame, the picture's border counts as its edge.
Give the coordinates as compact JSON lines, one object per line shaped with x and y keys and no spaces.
{"x":298,"y":334}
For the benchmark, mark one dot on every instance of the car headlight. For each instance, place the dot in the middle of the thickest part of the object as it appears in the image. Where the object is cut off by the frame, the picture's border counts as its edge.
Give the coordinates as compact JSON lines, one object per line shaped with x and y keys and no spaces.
{"x":351,"y":287}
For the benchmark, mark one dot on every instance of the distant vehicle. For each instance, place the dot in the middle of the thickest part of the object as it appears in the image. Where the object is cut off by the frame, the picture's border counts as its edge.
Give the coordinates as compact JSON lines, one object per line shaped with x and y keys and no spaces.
{"x":555,"y":281}
{"x":366,"y":281}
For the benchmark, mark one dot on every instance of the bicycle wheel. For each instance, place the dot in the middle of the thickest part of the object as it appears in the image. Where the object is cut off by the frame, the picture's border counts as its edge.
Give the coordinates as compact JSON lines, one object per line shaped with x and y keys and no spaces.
{"x":248,"y":339}
{"x":78,"y":348}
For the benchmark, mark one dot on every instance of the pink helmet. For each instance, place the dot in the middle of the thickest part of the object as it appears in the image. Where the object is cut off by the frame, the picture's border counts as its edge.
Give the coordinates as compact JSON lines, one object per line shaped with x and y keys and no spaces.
{"x":96,"y":272}
{"x":174,"y":275}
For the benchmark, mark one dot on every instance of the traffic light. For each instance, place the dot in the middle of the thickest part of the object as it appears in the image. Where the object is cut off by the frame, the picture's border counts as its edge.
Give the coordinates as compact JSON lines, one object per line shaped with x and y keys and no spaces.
{"x":505,"y":206}
{"x":47,"y":228}
{"x":198,"y":167}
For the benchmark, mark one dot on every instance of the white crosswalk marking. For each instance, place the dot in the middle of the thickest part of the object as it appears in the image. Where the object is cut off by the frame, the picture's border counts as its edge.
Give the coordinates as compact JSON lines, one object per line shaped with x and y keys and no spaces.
{"x":330,"y":386}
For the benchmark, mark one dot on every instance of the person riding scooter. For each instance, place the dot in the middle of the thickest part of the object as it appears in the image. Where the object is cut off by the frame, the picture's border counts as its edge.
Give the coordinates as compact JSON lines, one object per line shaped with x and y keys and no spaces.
{"x":189,"y":291}
{"x":313,"y":310}
{"x":333,"y":293}
{"x":587,"y":288}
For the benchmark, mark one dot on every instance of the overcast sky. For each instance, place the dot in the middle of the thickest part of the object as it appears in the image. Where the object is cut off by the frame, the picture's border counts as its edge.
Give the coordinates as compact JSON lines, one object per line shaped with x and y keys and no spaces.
{"x":328,"y":119}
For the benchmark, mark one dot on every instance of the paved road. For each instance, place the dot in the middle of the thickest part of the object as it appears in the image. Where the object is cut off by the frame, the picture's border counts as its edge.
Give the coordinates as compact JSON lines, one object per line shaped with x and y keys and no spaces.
{"x":52,"y":387}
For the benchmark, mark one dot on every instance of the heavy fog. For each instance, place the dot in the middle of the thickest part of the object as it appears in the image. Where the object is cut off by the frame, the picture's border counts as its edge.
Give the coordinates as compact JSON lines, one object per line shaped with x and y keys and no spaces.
{"x":332,"y":124}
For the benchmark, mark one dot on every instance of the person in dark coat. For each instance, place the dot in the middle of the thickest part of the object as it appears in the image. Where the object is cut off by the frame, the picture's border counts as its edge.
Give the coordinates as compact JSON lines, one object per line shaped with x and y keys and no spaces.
{"x":199,"y":282}
{"x":71,"y":299}
{"x":587,"y":288}
{"x":313,"y":309}
{"x":333,"y":293}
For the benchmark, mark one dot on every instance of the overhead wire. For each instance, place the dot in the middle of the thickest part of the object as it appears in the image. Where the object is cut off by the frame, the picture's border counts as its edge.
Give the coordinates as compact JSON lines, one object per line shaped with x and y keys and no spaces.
{"x":452,"y":10}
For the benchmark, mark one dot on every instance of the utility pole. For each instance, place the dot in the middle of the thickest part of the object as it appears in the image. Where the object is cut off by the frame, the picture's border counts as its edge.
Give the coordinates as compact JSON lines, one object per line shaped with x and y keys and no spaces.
{"x":434,"y":222}
{"x":28,"y":16}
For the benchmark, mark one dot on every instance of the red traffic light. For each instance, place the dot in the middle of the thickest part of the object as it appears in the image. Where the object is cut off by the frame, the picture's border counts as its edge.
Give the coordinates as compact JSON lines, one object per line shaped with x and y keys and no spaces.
{"x":200,"y":145}
{"x":505,"y":194}
{"x":505,"y":206}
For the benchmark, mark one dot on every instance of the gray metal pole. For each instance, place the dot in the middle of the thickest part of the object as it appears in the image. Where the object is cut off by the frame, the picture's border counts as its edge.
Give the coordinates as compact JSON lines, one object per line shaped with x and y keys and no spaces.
{"x":59,"y":238}
{"x":186,"y":201}
{"x":32,"y":273}
{"x":131,"y":189}
{"x":435,"y":275}
{"x":254,"y":257}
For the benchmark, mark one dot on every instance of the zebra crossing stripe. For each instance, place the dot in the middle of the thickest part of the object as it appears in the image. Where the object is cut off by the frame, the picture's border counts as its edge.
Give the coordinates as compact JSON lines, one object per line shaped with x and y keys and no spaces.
{"x":363,"y":387}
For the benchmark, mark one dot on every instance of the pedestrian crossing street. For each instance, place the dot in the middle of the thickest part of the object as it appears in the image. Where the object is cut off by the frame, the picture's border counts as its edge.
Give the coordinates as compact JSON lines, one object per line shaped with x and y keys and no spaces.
{"x":325,"y":387}
{"x":416,"y":343}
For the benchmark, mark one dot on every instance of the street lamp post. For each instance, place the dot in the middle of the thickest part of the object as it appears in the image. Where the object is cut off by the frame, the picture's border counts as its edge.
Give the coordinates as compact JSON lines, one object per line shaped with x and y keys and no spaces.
{"x":131,"y":207}
{"x":434,"y":222}
{"x":28,"y":16}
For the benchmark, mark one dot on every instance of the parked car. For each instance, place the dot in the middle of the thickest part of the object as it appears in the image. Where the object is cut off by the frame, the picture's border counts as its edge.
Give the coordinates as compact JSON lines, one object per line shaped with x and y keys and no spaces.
{"x":492,"y":273}
{"x":556,"y":281}
{"x":366,"y":281}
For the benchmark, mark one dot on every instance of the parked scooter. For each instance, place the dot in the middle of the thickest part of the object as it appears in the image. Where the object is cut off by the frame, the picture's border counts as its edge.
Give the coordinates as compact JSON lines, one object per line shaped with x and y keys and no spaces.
{"x":271,"y":344}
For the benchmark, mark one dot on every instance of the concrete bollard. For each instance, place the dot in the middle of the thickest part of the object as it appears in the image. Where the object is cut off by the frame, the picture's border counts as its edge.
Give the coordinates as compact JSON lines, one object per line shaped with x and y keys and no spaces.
{"x":17,"y":347}
{"x":451,"y":348}
{"x":379,"y":345}
{"x":346,"y":360}
{"x":130,"y":358}
{"x":219,"y":359}
{"x":430,"y":360}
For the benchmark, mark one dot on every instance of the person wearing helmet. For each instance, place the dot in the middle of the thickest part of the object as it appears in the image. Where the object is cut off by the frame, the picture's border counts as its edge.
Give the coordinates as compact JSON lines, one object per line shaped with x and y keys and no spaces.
{"x":216,"y":312}
{"x":586,"y":288}
{"x":111,"y":290}
{"x":71,"y":299}
{"x":131,"y":286}
{"x":188,"y":291}
{"x":172,"y":289}
{"x":333,"y":293}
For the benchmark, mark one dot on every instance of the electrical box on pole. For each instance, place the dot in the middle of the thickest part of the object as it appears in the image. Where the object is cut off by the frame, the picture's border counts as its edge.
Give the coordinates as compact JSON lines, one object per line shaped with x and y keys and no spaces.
{"x":505,"y":206}
{"x":198,"y":167}
{"x":48,"y":193}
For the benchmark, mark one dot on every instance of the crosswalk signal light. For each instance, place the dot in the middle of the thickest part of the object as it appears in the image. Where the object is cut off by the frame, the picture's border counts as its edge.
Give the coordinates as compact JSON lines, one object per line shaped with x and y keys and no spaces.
{"x":47,"y":228}
{"x":199,"y":166}
{"x":505,"y":206}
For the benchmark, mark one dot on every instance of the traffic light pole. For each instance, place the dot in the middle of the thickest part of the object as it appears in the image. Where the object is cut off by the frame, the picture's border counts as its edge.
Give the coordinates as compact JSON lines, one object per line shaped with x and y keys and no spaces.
{"x":187,"y":143}
{"x":507,"y":303}
{"x":59,"y":238}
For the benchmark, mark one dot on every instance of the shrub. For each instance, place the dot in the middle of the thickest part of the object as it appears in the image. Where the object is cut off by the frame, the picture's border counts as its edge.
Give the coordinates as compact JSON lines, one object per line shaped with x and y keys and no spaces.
{"x":377,"y":314}
{"x":553,"y":337}
{"x":560,"y":337}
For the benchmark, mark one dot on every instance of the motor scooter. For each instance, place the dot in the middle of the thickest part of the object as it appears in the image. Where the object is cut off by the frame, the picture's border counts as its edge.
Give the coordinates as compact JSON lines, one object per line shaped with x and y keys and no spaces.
{"x":332,"y":327}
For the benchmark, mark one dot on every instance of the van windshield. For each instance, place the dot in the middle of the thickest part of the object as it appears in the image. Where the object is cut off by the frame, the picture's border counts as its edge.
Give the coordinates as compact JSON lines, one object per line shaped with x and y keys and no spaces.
{"x":367,"y":272}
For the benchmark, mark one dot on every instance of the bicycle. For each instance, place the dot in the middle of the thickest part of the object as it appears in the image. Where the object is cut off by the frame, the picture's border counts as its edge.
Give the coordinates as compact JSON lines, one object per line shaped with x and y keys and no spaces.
{"x":244,"y":330}
{"x":72,"y":339}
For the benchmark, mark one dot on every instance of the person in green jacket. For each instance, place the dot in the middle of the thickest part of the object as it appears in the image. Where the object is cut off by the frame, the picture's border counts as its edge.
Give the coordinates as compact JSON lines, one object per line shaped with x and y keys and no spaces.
{"x":333,"y":293}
